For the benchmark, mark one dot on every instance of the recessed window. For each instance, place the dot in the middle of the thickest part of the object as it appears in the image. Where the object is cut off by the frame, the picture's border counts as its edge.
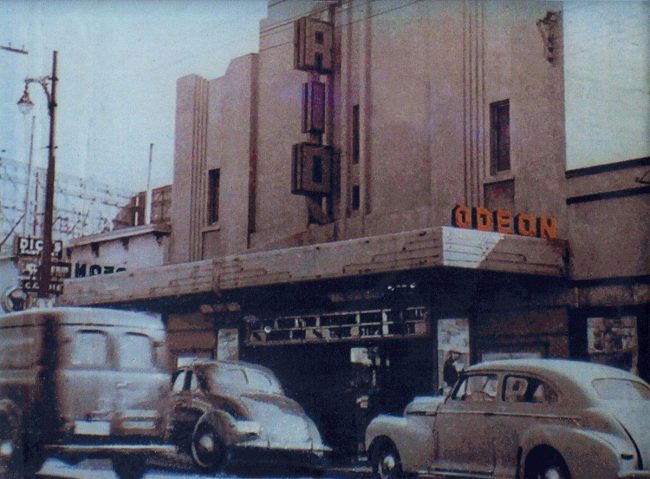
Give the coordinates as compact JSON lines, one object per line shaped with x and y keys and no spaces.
{"x":213,"y":195}
{"x":355,"y":134}
{"x":356,"y":197}
{"x":320,"y":38}
{"x":318,"y":56}
{"x":500,"y":136}
{"x":317,"y":169}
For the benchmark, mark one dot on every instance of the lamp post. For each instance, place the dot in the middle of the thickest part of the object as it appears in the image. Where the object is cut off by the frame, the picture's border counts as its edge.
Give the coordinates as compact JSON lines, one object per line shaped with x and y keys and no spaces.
{"x":25,"y":105}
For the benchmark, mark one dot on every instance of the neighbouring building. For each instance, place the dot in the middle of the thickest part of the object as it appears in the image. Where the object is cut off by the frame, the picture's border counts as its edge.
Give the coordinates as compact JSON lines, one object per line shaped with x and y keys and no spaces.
{"x":388,"y":188}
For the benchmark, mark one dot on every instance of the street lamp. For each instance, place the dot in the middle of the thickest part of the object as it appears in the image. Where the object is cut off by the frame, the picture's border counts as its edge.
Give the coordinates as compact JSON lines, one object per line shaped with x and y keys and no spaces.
{"x":25,"y":105}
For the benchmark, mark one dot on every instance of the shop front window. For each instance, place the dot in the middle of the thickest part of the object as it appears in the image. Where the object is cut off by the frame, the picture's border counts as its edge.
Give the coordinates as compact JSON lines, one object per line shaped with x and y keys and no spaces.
{"x":613,"y":341}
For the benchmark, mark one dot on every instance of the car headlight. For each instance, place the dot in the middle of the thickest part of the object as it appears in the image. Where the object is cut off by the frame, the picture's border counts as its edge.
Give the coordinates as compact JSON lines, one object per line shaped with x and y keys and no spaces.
{"x":252,"y":428}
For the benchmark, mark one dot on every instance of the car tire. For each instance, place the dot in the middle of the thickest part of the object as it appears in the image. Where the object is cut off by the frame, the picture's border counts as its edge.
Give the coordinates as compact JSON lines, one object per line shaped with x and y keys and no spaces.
{"x":549,"y":465}
{"x":386,"y":463}
{"x":207,"y":450}
{"x":129,"y":467}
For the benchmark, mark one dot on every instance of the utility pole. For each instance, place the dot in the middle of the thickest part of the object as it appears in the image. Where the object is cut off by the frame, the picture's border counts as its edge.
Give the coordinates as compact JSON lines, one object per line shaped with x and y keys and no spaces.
{"x":25,"y":104}
{"x":148,"y":195}
{"x":45,"y":271}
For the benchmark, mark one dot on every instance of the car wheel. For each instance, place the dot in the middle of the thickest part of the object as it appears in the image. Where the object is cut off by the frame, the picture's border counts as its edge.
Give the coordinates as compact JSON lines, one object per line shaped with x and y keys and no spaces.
{"x":386,"y":462}
{"x":207,"y":449}
{"x":129,"y":467}
{"x":550,"y":466}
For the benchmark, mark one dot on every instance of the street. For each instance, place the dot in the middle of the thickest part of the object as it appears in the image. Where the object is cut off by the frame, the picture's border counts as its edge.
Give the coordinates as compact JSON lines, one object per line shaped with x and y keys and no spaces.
{"x":160,"y":469}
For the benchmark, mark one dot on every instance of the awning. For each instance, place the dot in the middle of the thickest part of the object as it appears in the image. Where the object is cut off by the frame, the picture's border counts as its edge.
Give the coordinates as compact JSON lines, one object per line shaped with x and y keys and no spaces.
{"x":418,"y":249}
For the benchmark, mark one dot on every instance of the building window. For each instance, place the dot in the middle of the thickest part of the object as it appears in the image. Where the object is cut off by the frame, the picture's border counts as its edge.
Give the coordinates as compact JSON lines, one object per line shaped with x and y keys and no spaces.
{"x":356,"y":198}
{"x":355,"y":134}
{"x":500,"y":136}
{"x":213,"y":196}
{"x":317,"y":170}
{"x":320,"y":39}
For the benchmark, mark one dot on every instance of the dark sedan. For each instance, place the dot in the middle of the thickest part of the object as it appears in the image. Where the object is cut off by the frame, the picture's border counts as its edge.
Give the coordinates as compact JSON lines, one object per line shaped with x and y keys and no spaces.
{"x":226,"y":410}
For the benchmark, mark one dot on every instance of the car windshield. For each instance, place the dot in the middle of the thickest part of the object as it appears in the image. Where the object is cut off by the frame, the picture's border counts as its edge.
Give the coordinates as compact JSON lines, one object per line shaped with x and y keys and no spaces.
{"x":621,"y":390}
{"x":227,"y":377}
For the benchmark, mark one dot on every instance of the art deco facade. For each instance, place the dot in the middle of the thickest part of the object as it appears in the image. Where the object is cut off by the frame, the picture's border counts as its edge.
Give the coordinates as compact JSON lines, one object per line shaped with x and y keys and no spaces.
{"x":386,"y":182}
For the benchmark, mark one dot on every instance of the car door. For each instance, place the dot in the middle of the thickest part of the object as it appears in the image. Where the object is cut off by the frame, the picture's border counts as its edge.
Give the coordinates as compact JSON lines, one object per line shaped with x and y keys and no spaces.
{"x":142,"y":382}
{"x":526,"y":402}
{"x":463,"y":426}
{"x":181,"y":397}
{"x":85,"y":382}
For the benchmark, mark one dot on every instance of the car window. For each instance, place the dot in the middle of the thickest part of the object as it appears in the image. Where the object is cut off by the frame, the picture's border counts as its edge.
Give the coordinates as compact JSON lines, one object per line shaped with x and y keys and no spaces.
{"x":260,"y":381}
{"x":527,"y":390}
{"x":90,"y":348}
{"x":228,"y":377}
{"x":135,"y":351}
{"x":179,"y":381}
{"x":194,"y":382}
{"x":477,"y":387}
{"x":621,"y":389}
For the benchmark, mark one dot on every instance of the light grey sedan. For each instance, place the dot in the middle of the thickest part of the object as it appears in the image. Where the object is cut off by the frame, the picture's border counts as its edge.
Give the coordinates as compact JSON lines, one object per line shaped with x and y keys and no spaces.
{"x":529,"y":419}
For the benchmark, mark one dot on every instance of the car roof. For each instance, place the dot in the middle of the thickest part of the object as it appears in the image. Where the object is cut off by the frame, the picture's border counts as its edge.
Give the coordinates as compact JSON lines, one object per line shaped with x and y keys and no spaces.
{"x":564,"y":372}
{"x":85,"y":316}
{"x":230,"y":362}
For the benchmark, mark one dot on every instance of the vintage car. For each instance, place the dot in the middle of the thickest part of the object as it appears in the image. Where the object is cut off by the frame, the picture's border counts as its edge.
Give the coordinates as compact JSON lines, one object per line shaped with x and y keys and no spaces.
{"x":233,"y":410}
{"x":530,"y":419}
{"x":82,"y":382}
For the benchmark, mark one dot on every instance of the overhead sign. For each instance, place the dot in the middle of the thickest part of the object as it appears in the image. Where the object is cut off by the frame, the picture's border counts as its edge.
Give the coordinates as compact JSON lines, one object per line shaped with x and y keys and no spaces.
{"x":29,"y":276}
{"x":30,"y":246}
{"x":503,"y":221}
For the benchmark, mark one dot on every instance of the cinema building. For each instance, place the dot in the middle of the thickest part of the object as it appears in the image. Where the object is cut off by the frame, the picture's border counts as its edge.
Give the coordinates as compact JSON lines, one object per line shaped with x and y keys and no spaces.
{"x":387,"y":185}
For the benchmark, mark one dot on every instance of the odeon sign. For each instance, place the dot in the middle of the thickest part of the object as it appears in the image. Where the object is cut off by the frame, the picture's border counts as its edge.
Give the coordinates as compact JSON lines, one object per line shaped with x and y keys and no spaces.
{"x":503,"y":221}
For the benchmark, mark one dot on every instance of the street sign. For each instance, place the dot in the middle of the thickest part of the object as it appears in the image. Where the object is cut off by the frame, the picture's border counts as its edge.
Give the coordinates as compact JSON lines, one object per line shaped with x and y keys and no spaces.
{"x":31,"y":286}
{"x":30,"y":246}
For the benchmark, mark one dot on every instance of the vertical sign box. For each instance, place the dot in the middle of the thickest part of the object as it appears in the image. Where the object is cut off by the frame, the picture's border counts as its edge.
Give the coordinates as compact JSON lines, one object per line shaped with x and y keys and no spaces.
{"x":313,"y":107}
{"x":313,"y":45}
{"x":311,"y":169}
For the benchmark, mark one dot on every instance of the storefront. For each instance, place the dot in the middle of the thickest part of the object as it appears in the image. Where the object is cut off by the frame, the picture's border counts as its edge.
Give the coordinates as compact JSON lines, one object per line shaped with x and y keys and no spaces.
{"x":358,"y":327}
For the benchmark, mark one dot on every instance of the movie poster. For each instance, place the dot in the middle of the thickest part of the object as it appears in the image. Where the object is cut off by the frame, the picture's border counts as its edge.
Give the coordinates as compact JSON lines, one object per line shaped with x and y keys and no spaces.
{"x":613,"y":341}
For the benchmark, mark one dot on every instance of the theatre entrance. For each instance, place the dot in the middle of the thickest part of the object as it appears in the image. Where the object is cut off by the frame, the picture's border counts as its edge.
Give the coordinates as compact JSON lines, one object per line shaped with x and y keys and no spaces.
{"x":343,"y":385}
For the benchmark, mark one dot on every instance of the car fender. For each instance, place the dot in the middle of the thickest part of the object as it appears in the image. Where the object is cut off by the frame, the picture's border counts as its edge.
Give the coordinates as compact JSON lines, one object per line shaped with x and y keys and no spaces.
{"x":587,"y":453}
{"x":411,"y":435}
{"x":222,"y":423}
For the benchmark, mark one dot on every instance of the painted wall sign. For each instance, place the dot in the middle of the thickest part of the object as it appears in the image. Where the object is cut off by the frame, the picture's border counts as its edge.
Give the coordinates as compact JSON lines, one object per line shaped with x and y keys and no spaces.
{"x":81,"y":270}
{"x":30,"y":246}
{"x":503,"y":221}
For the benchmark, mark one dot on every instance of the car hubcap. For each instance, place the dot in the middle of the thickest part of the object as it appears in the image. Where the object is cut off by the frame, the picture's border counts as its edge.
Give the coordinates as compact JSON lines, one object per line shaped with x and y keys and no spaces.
{"x":387,"y":466}
{"x":205,"y":444}
{"x":204,"y":449}
{"x":552,"y":473}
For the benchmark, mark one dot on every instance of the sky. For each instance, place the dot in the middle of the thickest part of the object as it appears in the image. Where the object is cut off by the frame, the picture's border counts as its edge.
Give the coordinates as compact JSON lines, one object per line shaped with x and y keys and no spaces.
{"x":118,"y":62}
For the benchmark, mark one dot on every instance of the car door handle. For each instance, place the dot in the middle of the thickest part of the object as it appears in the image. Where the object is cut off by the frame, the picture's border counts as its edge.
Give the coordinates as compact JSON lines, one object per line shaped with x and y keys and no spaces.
{"x":489,"y":414}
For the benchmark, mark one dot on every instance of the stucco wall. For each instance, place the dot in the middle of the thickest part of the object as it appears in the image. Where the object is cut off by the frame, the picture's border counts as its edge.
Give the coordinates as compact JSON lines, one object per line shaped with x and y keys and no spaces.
{"x":424,"y":75}
{"x":231,"y":147}
{"x":131,"y":253}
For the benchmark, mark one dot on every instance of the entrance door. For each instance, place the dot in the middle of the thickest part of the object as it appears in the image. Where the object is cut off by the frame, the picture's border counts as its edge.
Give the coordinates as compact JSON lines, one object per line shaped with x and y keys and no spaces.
{"x":464,"y":425}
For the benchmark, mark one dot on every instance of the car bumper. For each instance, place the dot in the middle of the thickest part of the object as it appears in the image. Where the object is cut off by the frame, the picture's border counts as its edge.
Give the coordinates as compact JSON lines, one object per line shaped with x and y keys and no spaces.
{"x":251,"y":453}
{"x":635,"y":475}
